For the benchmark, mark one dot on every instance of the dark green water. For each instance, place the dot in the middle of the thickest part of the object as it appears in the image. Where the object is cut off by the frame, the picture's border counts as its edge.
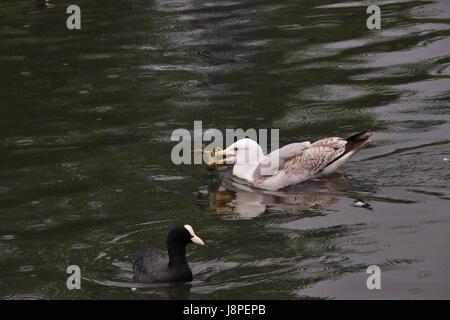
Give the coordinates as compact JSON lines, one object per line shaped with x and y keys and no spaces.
{"x":85,"y":126}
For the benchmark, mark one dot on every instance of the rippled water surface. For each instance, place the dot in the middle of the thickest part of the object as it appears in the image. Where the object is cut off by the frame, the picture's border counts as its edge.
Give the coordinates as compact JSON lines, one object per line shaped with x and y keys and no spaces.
{"x":86,"y":120}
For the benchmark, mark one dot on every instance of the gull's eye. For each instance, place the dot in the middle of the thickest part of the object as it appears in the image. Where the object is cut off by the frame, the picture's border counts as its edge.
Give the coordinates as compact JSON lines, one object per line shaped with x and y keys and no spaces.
{"x":235,"y":149}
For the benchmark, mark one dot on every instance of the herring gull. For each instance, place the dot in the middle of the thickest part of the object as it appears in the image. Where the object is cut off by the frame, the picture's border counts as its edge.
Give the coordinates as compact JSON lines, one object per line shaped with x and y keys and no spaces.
{"x":295,"y":162}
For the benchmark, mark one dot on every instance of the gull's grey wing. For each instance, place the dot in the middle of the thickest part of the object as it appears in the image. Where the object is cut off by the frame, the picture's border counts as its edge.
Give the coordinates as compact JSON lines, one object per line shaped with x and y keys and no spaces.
{"x":283,"y":154}
{"x":316,"y":158}
{"x":321,"y":157}
{"x":305,"y":164}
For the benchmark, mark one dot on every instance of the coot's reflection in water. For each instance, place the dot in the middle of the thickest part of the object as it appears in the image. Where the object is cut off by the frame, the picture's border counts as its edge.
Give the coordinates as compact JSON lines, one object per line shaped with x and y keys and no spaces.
{"x":173,"y":291}
{"x":234,"y":197}
{"x":123,"y":279}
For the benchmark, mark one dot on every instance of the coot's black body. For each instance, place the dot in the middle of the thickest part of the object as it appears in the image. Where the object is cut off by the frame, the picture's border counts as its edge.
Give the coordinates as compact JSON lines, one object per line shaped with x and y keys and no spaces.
{"x":154,"y":265}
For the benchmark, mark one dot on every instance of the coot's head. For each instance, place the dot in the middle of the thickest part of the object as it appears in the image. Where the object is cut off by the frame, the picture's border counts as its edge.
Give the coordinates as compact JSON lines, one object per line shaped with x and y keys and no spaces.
{"x":183,"y":235}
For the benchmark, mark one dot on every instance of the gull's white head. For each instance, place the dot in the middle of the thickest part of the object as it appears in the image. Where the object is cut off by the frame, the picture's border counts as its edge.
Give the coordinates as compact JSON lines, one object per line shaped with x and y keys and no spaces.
{"x":245,"y":154}
{"x":194,"y":238}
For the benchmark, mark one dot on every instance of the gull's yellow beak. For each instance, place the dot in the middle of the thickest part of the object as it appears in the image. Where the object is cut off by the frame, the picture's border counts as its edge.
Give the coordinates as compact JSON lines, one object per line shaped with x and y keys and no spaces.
{"x":222,"y":153}
{"x":219,"y":157}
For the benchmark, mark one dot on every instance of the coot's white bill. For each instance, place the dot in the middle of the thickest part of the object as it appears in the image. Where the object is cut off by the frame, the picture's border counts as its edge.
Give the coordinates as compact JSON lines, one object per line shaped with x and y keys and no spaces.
{"x":195,"y":239}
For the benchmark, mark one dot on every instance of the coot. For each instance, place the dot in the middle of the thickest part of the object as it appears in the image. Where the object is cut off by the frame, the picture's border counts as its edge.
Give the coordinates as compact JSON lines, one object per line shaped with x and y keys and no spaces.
{"x":154,"y":265}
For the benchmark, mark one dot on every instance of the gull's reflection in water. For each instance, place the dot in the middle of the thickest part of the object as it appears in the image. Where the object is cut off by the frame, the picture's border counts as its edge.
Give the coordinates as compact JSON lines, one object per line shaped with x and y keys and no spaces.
{"x":235,"y":197}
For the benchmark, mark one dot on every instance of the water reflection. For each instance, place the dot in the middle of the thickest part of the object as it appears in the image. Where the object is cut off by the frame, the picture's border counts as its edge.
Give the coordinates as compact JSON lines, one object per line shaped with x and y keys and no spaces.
{"x":173,"y":291}
{"x":232,"y":196}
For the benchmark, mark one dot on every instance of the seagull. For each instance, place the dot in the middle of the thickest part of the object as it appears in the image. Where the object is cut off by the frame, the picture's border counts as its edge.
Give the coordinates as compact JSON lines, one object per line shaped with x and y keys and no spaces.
{"x":289,"y":165}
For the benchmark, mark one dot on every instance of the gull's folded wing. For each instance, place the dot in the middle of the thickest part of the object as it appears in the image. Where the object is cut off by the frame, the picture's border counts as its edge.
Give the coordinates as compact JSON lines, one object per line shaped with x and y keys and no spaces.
{"x":269,"y":164}
{"x":316,"y":158}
